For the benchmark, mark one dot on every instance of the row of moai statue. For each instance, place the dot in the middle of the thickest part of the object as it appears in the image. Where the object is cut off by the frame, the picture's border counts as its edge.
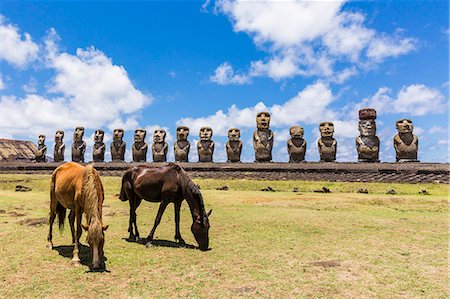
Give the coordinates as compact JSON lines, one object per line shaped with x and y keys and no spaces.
{"x":367,"y":143}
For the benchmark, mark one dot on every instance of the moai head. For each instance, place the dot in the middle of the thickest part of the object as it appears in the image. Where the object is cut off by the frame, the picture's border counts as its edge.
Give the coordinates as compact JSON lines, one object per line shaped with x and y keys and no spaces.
{"x":139,"y":135}
{"x":263,"y":120}
{"x":205,"y":133}
{"x":296,"y":132}
{"x":78,"y":134}
{"x":59,"y":136}
{"x":159,"y":136}
{"x":41,"y":139}
{"x":234,"y":134}
{"x":326,"y":129}
{"x":99,"y":135}
{"x":118,"y":135}
{"x":404,"y":126}
{"x":367,"y":126}
{"x":182,"y":133}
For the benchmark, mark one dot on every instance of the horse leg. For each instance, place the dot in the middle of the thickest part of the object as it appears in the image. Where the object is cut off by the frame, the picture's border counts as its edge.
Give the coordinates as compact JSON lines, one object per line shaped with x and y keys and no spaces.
{"x":138,"y":201}
{"x":178,"y":237}
{"x":162,"y":208}
{"x":72,"y":224}
{"x":78,"y":215}
{"x":52,"y":216}
{"x":134,"y":204}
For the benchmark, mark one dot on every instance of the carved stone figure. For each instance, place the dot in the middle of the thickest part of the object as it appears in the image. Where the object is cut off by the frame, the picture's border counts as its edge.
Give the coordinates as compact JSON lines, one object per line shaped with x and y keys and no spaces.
{"x":296,"y":145}
{"x":326,"y":144}
{"x":139,"y":146}
{"x":234,"y":146}
{"x":263,"y":138}
{"x":78,"y":145}
{"x":406,"y":144}
{"x":60,"y":147}
{"x":98,"y":153}
{"x":205,"y":147}
{"x":367,"y":143}
{"x":181,"y":146}
{"x":41,"y":149}
{"x":118,"y":146}
{"x":159,"y":147}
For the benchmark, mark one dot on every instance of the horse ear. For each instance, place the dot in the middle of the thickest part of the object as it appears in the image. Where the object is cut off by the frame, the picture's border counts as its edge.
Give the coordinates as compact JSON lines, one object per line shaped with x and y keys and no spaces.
{"x":105,"y":227}
{"x":85,"y":227}
{"x":209,"y":213}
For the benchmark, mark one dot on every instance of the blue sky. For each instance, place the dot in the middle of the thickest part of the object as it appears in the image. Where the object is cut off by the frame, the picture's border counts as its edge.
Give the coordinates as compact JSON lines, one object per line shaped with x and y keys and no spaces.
{"x":161,"y":64}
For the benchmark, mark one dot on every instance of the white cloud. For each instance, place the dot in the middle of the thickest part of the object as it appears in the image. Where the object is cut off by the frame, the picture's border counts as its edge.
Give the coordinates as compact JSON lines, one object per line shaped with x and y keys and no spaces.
{"x":30,"y":87}
{"x":224,"y":75}
{"x":16,"y":48}
{"x":2,"y":83}
{"x":418,"y":99}
{"x":308,"y":38}
{"x":437,"y":130}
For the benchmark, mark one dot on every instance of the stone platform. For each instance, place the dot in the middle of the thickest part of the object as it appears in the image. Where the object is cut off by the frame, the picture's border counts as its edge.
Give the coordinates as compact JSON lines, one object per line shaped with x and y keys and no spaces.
{"x":309,"y":171}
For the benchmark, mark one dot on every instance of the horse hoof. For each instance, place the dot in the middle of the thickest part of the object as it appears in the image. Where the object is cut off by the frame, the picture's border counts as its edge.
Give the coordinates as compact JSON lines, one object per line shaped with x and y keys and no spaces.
{"x":148,"y":244}
{"x":76,"y":263}
{"x":49,"y":246}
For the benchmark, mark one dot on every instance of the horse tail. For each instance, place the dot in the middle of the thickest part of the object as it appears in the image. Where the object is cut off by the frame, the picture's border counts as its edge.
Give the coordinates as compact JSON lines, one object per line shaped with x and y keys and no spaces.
{"x":126,"y":183}
{"x":60,"y":210}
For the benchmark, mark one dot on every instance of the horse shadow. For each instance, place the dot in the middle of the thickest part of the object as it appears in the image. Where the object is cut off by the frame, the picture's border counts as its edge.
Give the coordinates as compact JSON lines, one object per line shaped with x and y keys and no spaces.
{"x":161,"y":243}
{"x":84,"y":253}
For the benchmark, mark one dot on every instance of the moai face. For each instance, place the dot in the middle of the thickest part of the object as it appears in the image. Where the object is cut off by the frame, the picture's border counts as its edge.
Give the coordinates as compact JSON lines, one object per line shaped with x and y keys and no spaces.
{"x":404,"y":126}
{"x":78,"y":134}
{"x":118,"y":135}
{"x":296,"y":132}
{"x":206,"y":133}
{"x":139,"y":135}
{"x":99,"y":135}
{"x":234,"y":134}
{"x":59,"y":136}
{"x":159,"y":136}
{"x":326,"y":129}
{"x":41,"y":139}
{"x":182,"y":133}
{"x":367,"y":127}
{"x":263,"y":120}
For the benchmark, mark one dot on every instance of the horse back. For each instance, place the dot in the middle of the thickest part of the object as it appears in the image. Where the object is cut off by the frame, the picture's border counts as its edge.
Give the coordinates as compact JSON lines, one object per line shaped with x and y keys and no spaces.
{"x":67,"y":182}
{"x":151,"y":183}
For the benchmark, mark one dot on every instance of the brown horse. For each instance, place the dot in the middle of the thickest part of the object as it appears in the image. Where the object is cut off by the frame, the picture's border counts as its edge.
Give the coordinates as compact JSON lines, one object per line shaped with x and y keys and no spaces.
{"x":79,"y":189}
{"x":165,"y":184}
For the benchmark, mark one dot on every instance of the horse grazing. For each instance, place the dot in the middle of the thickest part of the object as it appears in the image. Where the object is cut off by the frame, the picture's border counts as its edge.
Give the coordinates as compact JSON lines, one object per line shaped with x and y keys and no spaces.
{"x":79,"y":189}
{"x":165,"y":184}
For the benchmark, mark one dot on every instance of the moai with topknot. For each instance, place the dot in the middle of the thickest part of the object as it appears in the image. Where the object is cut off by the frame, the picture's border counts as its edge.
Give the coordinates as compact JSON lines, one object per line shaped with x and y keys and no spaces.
{"x":41,"y":149}
{"x":406,"y":144}
{"x":326,"y":144}
{"x":60,"y":147}
{"x":159,"y":147}
{"x":98,"y":152}
{"x":234,"y":146}
{"x":263,"y":138}
{"x":205,"y":147}
{"x":181,"y":146}
{"x":296,"y":145}
{"x":367,"y":143}
{"x":139,"y":148}
{"x":118,"y":146}
{"x":78,"y":145}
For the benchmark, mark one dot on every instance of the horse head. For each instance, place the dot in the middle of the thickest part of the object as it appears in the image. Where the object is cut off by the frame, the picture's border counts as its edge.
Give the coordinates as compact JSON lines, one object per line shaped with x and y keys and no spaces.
{"x":96,"y":239}
{"x":200,"y":229}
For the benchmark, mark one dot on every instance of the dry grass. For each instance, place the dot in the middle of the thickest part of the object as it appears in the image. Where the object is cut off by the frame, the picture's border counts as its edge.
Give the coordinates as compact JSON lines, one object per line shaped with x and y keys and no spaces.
{"x":264,"y":244}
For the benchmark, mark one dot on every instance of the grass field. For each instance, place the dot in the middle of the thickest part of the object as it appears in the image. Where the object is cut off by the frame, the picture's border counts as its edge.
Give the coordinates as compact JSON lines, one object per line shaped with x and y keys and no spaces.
{"x":281,"y":244}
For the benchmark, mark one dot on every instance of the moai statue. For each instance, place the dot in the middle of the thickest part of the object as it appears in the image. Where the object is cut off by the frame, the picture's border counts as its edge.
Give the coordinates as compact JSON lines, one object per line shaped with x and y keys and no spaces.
{"x":159,"y":147}
{"x":139,"y":146}
{"x":296,"y":145}
{"x":326,"y":144}
{"x":205,"y":147}
{"x":234,"y":146}
{"x":58,"y":150}
{"x":406,"y":144}
{"x":78,"y":145}
{"x":41,"y":149}
{"x":118,"y":146}
{"x":263,"y":138}
{"x":367,"y":143}
{"x":181,"y":146}
{"x":98,"y":153}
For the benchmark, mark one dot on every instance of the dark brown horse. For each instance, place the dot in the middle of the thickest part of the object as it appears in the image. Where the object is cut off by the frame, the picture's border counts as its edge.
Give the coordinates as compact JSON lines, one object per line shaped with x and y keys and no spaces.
{"x":79,"y":189}
{"x":165,"y":184}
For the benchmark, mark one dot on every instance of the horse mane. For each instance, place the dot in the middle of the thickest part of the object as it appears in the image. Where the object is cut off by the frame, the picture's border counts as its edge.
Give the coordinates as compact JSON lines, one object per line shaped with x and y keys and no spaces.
{"x":92,"y":192}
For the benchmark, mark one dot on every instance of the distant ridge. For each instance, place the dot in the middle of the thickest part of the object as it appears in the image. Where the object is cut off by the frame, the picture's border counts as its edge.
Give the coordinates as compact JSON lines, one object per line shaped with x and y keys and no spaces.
{"x":16,"y":150}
